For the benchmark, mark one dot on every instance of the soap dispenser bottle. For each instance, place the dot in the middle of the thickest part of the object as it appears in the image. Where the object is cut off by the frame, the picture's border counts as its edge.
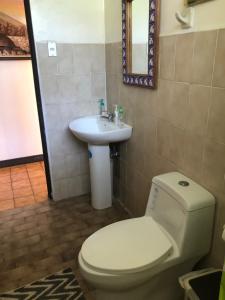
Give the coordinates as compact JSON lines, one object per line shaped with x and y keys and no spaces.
{"x":101,"y":104}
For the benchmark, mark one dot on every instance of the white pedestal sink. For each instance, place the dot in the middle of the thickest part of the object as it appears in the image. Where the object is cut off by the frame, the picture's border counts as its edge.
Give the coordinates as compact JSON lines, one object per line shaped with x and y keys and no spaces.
{"x":98,"y":133}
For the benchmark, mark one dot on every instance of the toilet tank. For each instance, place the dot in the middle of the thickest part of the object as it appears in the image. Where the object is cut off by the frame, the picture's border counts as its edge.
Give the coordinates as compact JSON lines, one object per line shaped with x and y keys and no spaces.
{"x":185,"y":210}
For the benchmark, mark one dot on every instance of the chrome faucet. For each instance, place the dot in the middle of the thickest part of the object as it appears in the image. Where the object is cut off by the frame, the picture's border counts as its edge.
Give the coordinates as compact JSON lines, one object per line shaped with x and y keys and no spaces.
{"x":109,"y":116}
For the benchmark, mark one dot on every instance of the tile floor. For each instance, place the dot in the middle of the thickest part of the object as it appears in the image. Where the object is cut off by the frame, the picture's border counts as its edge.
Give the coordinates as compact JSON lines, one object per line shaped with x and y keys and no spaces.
{"x":22,"y":185}
{"x":45,"y":237}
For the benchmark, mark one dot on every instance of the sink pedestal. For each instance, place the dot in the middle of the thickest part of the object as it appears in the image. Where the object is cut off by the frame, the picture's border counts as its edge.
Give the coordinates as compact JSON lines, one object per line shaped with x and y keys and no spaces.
{"x":100,"y":173}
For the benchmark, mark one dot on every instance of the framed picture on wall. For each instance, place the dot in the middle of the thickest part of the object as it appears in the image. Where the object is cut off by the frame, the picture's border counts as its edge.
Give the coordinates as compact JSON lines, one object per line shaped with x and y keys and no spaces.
{"x":196,"y":2}
{"x":14,"y":42}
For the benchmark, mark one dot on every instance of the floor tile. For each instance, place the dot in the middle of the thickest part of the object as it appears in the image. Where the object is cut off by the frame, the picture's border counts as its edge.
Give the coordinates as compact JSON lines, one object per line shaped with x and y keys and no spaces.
{"x":22,"y":201}
{"x":7,"y":204}
{"x":38,"y":181}
{"x":42,"y":188}
{"x":22,"y":192}
{"x":7,"y":186}
{"x":21,"y":184}
{"x":18,"y":169}
{"x":34,"y":166}
{"x":5,"y":179}
{"x":4,"y":171}
{"x":46,"y":237}
{"x":36,"y":173}
{"x":6,"y":195}
{"x":19,"y":176}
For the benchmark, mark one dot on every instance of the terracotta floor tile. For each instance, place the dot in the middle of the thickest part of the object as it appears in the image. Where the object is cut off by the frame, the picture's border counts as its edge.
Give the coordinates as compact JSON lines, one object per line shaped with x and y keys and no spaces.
{"x":19,"y":176}
{"x":4,"y":187}
{"x":34,"y":166}
{"x":42,"y":188}
{"x":22,"y":192}
{"x":21,"y":184}
{"x":6,"y":195}
{"x":18,"y":169}
{"x":7,"y":204}
{"x":22,"y":201}
{"x":36,"y":173}
{"x":5,"y":179}
{"x":38,"y":181}
{"x":41,"y":197}
{"x":4,"y":171}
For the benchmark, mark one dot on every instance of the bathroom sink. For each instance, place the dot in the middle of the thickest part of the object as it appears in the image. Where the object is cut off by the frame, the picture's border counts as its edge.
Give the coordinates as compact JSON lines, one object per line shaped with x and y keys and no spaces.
{"x":99,"y":131}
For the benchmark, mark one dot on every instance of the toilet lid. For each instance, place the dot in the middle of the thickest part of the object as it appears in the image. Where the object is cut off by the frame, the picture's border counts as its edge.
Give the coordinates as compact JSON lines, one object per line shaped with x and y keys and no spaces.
{"x":126,"y":246}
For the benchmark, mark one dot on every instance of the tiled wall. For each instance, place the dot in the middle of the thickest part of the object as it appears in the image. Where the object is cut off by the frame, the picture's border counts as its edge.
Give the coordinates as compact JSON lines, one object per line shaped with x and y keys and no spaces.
{"x":180,"y":126}
{"x":71,"y":83}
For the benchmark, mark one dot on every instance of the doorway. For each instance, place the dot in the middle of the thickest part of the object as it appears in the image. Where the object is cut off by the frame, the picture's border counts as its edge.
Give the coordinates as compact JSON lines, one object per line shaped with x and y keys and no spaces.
{"x":24,"y":167}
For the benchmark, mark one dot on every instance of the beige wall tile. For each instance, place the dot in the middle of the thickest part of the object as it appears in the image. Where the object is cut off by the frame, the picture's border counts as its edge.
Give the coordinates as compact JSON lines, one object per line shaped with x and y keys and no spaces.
{"x":170,"y":142}
{"x":193,"y":155}
{"x":165,"y":96}
{"x":170,"y":124}
{"x":198,"y":109}
{"x":178,"y":106}
{"x":167,"y":57}
{"x":112,"y":82}
{"x":98,"y":82}
{"x":70,"y":86}
{"x":46,"y":65}
{"x":49,"y":89}
{"x":184,"y":56}
{"x":204,"y":55}
{"x":97,"y":53}
{"x":219,"y":71}
{"x":65,"y":59}
{"x":216,"y":126}
{"x":214,"y":166}
{"x":82,"y":59}
{"x":173,"y":102}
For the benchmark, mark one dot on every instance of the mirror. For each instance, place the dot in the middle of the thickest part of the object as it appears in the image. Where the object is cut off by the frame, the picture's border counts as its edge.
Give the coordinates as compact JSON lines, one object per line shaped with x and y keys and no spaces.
{"x":140,"y":42}
{"x":139,"y":33}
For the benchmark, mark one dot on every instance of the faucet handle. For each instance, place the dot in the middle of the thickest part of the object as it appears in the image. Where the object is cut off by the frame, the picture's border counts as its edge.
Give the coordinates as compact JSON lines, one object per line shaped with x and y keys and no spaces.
{"x":111,"y":116}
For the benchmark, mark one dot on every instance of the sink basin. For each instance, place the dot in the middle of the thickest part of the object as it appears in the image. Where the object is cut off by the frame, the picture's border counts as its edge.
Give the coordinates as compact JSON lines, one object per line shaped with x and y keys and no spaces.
{"x":99,"y":131}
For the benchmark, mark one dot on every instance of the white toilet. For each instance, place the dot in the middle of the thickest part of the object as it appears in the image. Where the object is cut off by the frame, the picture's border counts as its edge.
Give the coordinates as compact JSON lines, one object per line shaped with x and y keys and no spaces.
{"x":142,"y":258}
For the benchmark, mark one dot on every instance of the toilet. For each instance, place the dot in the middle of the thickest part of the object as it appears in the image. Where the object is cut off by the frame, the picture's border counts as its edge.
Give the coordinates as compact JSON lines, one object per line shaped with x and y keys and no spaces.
{"x":142,"y":258}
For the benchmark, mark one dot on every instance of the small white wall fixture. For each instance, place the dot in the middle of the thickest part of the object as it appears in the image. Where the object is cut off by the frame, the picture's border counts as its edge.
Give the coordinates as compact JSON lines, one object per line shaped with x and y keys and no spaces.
{"x":186,"y":17}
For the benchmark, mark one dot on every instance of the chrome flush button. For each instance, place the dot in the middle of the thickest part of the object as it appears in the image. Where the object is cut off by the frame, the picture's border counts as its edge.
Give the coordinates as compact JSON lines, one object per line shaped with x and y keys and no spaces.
{"x":184,"y":183}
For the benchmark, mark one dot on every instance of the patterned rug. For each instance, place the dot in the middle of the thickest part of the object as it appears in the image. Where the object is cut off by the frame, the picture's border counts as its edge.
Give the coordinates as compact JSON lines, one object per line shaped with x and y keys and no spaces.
{"x":60,"y":286}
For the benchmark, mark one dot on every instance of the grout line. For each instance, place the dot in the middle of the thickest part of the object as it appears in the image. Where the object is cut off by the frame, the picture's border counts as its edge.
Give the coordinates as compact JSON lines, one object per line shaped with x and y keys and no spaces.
{"x":214,"y":58}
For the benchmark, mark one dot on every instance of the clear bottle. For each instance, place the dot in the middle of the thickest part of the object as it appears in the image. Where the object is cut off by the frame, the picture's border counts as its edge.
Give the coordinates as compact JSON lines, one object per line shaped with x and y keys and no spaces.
{"x":116,"y":114}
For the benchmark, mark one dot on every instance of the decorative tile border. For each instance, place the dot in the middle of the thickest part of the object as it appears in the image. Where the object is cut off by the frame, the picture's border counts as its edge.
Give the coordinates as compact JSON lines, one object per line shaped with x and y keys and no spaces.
{"x":149,"y":80}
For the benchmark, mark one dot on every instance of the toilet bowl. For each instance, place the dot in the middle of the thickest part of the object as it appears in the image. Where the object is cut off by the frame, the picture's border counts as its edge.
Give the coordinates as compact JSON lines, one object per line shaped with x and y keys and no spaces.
{"x":142,"y":258}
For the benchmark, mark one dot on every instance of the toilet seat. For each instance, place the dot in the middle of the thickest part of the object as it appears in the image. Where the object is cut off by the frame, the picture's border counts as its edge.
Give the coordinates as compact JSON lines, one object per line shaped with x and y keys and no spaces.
{"x":127,"y":246}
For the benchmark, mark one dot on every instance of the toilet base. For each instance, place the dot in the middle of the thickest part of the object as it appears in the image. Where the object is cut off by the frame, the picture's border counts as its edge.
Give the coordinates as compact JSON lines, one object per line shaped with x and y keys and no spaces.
{"x":163,"y":286}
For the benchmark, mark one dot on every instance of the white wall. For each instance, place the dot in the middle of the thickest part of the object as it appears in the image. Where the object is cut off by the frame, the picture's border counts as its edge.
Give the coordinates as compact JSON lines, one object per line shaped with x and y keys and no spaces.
{"x":208,"y":16}
{"x":19,"y":125}
{"x":69,"y":21}
{"x":113,"y":19}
